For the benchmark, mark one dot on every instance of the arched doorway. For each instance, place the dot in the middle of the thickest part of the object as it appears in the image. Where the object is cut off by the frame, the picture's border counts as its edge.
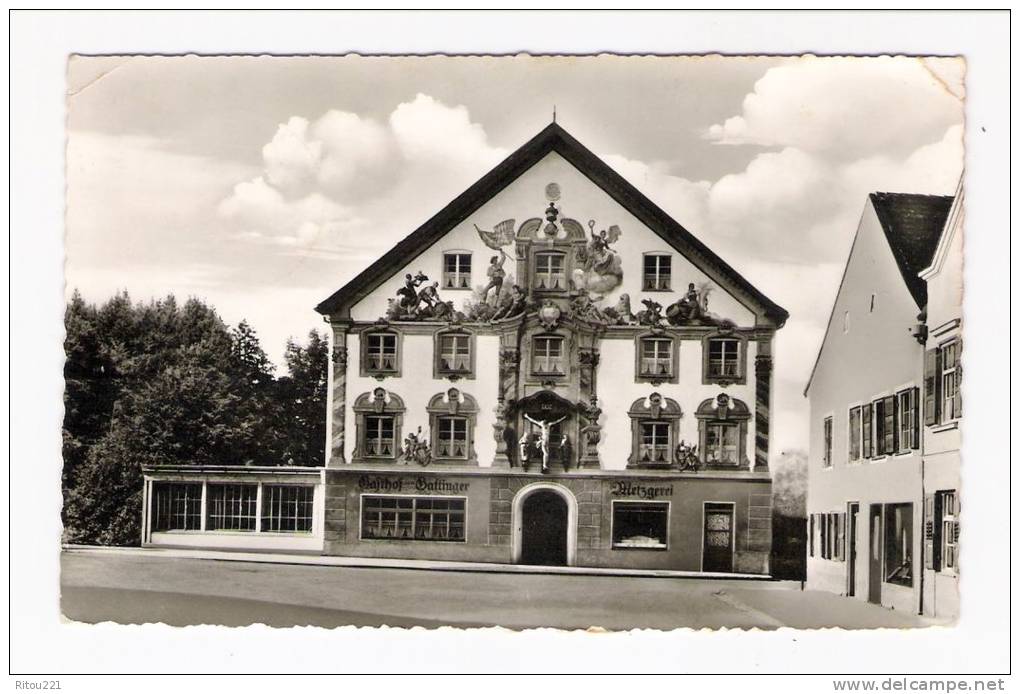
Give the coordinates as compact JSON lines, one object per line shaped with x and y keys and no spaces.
{"x":545,"y":526}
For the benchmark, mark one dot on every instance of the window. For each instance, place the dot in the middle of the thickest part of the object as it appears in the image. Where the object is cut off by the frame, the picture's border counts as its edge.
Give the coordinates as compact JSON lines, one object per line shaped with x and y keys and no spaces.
{"x":379,"y":439}
{"x":656,"y":358}
{"x":899,"y":543}
{"x":949,"y":361}
{"x":412,"y":518}
{"x":287,"y":508}
{"x":846,"y":321}
{"x":640,"y":525}
{"x":456,"y":270}
{"x":906,"y":412}
{"x":177,"y":506}
{"x":654,"y":424}
{"x":380,"y":356}
{"x":658,"y":269}
{"x":811,"y":534}
{"x":549,"y":272}
{"x":231,"y":506}
{"x":454,"y":354}
{"x":547,"y":356}
{"x":854,"y":434}
{"x":831,"y":535}
{"x":950,"y":530}
{"x":885,"y":426}
{"x":655,"y":443}
{"x":723,"y":360}
{"x":721,"y":443}
{"x":871,"y":307}
{"x":722,"y":428}
{"x":827,"y":434}
{"x":378,"y":418}
{"x":452,"y":437}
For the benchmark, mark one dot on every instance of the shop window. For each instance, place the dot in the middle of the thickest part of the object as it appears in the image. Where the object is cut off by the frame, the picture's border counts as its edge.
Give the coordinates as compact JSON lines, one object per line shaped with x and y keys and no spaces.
{"x":640,"y":525}
{"x":658,"y":268}
{"x":457,"y":270}
{"x":547,"y":358}
{"x":722,"y":425}
{"x":379,"y":416}
{"x":899,"y":544}
{"x":452,"y":417}
{"x":724,"y":359}
{"x":454,"y":354}
{"x":907,"y":415}
{"x":287,"y":508}
{"x":380,"y":354}
{"x":413,"y":518}
{"x":655,"y":421}
{"x":656,"y":362}
{"x":827,"y":435}
{"x":231,"y":506}
{"x":854,"y":434}
{"x":176,"y":506}
{"x":550,"y":274}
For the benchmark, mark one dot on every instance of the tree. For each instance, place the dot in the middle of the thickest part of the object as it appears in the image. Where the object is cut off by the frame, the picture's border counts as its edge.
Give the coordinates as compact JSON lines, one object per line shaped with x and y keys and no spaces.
{"x":302,"y":395}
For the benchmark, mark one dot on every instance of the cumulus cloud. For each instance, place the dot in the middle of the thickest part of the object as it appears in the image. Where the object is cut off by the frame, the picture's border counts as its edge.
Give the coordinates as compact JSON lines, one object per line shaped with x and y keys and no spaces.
{"x":848,"y":108}
{"x":343,"y":179}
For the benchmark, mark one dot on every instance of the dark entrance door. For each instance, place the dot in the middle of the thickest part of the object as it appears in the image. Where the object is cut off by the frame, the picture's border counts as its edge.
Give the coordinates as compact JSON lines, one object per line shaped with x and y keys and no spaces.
{"x":875,"y":555}
{"x":851,"y":547}
{"x":544,"y":529}
{"x":718,"y":554}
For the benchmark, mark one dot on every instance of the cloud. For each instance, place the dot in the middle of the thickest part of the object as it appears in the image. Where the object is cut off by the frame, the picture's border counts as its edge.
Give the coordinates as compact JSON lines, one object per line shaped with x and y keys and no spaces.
{"x":344,"y":180}
{"x":848,"y":108}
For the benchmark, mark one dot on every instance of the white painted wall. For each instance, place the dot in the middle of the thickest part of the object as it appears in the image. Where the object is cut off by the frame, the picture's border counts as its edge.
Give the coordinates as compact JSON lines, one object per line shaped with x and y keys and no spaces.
{"x":581,"y":200}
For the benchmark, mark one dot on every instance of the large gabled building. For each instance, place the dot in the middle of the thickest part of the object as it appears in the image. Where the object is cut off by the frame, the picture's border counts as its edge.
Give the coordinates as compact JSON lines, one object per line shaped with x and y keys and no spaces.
{"x":869,"y":407}
{"x":550,"y":370}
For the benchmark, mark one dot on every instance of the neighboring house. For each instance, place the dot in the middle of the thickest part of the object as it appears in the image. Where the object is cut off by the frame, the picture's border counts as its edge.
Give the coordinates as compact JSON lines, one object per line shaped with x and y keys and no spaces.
{"x":589,"y":386}
{"x":942,"y":416}
{"x":865,"y":470}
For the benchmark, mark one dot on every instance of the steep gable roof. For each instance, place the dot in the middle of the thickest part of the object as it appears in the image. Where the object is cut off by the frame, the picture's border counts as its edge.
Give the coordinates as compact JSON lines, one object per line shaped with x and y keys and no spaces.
{"x":912,"y":225}
{"x":553,"y":138}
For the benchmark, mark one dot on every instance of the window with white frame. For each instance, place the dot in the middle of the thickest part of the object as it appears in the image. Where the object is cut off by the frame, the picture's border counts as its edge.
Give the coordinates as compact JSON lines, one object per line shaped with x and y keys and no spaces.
{"x":658,"y":268}
{"x":885,"y":425}
{"x":547,"y":355}
{"x":379,"y":436}
{"x":413,"y":518}
{"x":907,"y":416}
{"x":640,"y":524}
{"x":656,"y":357}
{"x":456,"y":270}
{"x":452,"y":437}
{"x":231,"y":506}
{"x":381,"y":353}
{"x":724,"y":358}
{"x":655,"y":443}
{"x":854,"y":434}
{"x":549,"y":272}
{"x":455,"y":353}
{"x":176,"y":506}
{"x":287,"y":508}
{"x":950,"y":530}
{"x":949,"y":358}
{"x":721,"y":443}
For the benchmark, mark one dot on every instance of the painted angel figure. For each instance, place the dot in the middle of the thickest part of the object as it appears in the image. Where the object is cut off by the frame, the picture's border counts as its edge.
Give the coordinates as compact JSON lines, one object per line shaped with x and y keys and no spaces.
{"x":600,"y":255}
{"x":546,"y":430}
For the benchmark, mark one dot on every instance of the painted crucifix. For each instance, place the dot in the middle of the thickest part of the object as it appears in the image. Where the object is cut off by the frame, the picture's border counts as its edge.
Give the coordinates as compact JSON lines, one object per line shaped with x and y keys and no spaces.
{"x":546,"y":431}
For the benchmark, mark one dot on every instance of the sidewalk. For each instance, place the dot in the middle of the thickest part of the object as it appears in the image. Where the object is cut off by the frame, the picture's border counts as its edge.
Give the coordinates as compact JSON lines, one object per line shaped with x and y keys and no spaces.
{"x":417,"y":564}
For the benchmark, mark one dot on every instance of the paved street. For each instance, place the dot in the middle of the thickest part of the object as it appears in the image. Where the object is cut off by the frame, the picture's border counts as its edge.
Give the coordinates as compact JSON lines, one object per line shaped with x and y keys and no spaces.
{"x":139,"y":588}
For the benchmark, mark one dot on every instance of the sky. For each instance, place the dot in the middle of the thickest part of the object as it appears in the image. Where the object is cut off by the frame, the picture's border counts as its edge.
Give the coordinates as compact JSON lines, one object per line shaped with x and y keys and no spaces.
{"x":263,"y":184}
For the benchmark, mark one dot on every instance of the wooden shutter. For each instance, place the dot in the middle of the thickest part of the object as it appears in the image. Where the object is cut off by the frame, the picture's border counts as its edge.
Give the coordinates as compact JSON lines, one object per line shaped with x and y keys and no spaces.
{"x":931,"y":532}
{"x":931,"y":380}
{"x":866,"y":429}
{"x":915,"y":440}
{"x":958,"y":398}
{"x":879,"y":407}
{"x":890,"y":427}
{"x":841,"y":537}
{"x":811,"y":535}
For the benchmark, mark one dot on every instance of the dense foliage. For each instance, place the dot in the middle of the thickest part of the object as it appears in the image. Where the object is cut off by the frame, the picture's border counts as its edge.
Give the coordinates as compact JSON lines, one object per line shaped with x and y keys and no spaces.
{"x":162,"y":384}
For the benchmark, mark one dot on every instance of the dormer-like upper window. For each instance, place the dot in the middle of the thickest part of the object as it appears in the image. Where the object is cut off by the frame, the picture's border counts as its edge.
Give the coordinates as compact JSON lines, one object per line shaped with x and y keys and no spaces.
{"x":456,"y":270}
{"x":550,"y":274}
{"x":658,"y":268}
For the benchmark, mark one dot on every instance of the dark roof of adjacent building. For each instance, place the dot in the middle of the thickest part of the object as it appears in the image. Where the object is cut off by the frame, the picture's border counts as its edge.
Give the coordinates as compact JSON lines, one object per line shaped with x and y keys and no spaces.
{"x":912,"y":224}
{"x":552,"y":138}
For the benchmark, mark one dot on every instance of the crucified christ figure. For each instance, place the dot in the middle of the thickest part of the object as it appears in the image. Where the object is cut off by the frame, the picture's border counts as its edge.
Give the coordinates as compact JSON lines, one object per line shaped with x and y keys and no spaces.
{"x":546,"y":429}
